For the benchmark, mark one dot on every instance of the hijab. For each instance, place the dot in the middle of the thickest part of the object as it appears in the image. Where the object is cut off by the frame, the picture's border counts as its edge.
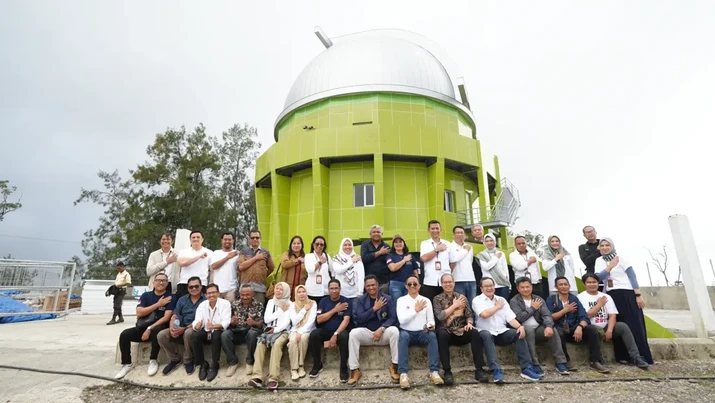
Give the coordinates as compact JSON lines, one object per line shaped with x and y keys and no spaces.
{"x":611,"y":255}
{"x":500,"y":278}
{"x":344,"y":259}
{"x":286,"y":295}
{"x":550,"y":254}
{"x":300,"y":304}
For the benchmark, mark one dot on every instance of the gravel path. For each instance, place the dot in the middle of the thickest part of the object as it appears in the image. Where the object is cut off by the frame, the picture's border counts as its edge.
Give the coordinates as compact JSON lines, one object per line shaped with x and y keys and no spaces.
{"x":604,"y":392}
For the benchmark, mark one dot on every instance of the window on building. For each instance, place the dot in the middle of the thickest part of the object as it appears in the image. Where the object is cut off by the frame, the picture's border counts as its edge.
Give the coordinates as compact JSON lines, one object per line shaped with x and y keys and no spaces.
{"x":449,"y":201}
{"x":364,"y":195}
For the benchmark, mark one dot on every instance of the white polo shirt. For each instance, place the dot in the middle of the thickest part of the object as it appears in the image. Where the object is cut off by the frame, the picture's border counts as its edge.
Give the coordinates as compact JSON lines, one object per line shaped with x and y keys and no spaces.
{"x":226,"y":275}
{"x":495,"y":324}
{"x":199,"y":268}
{"x":463,"y":257}
{"x":432,"y":276}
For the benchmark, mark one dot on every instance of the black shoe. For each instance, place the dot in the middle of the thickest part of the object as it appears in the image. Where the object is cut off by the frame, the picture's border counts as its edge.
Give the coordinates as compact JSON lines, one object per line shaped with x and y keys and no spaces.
{"x":344,"y":375}
{"x":317,"y":368}
{"x":481,"y":375}
{"x":120,"y":320}
{"x":203,"y":371}
{"x":211,"y":374}
{"x":640,"y":363}
{"x":448,"y":378}
{"x":170,"y":367}
{"x":113,"y":321}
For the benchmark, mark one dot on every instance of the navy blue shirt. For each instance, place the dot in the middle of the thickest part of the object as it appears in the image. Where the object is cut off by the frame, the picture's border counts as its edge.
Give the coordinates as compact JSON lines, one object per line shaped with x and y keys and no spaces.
{"x":375,"y":265}
{"x":150,"y":298}
{"x":326,"y":305}
{"x":553,"y":302}
{"x":185,"y":310}
{"x":364,"y":316}
{"x":405,"y":271}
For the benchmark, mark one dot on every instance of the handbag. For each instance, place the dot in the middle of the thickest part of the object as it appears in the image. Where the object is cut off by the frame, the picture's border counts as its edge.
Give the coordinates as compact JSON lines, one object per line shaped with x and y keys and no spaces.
{"x":146,"y":321}
{"x":269,"y":338}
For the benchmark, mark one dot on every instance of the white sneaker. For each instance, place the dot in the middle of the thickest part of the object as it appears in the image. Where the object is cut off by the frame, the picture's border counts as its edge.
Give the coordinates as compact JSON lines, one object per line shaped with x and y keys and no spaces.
{"x":123,"y":372}
{"x":153,"y":368}
{"x":404,"y":381}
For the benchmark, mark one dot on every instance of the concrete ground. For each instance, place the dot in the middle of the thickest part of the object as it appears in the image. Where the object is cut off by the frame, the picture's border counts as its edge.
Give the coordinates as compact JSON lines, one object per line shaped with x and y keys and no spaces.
{"x":678,"y":322}
{"x":83,"y":343}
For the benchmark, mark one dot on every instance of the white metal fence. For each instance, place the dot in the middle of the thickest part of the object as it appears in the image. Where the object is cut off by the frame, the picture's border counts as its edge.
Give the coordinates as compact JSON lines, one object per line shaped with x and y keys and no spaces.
{"x":45,"y":287}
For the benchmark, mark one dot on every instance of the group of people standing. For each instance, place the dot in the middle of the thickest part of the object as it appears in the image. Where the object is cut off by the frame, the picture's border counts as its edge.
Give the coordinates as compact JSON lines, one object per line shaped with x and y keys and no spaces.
{"x":385,"y":296}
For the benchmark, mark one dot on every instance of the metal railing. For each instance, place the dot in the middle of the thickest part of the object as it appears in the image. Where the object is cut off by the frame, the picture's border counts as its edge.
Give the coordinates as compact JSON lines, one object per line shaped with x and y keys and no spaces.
{"x":502,"y":214}
{"x":42,"y":286}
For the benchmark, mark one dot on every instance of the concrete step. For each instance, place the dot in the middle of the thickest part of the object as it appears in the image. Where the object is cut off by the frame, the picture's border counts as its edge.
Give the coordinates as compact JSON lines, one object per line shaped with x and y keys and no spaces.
{"x":378,"y":357}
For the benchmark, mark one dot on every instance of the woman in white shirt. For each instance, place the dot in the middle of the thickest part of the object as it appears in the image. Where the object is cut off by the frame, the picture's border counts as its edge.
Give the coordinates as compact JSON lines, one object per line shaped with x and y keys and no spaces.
{"x":348,"y":269}
{"x":558,"y":262}
{"x":622,"y":286}
{"x":302,"y":319}
{"x":494,"y":266}
{"x":317,"y":264}
{"x":274,"y":337}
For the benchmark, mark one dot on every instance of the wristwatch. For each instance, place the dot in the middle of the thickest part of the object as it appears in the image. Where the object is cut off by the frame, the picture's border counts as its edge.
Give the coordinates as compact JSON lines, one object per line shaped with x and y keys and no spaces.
{"x":638,"y":295}
{"x":148,"y":328}
{"x":335,"y":334}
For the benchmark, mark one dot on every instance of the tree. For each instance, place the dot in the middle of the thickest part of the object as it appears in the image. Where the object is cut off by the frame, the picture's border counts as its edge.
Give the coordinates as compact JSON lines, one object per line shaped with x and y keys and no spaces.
{"x":7,"y":207}
{"x":191,"y":180}
{"x":533,"y":240}
{"x":660,"y":260}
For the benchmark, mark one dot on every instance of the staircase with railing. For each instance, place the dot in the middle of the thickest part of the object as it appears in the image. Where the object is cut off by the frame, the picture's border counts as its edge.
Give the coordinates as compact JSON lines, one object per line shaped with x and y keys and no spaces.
{"x":502,"y":213}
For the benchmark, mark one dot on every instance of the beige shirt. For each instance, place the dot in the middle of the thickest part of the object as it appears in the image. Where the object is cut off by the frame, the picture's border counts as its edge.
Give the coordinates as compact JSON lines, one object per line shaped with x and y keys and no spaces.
{"x":122,"y":279}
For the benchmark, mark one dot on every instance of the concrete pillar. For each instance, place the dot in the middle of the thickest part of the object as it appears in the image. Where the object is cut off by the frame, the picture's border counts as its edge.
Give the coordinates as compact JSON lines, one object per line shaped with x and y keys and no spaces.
{"x":693,"y":280}
{"x":182,"y":240}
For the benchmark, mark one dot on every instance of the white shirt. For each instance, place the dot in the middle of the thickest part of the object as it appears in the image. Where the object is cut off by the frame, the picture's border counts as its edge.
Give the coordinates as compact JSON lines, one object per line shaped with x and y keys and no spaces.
{"x":312,"y":286}
{"x":495,"y":324}
{"x":221,"y":313}
{"x":409,"y":318}
{"x":432,"y":275}
{"x":463,"y":257}
{"x":276,"y":317}
{"x":225,"y":276}
{"x":589,"y":301}
{"x":199,"y":268}
{"x":296,"y":317}
{"x":521,"y":267}
{"x":340,"y":267}
{"x":531,"y":322}
{"x":550,"y":267}
{"x":618,"y":275}
{"x":495,"y":263}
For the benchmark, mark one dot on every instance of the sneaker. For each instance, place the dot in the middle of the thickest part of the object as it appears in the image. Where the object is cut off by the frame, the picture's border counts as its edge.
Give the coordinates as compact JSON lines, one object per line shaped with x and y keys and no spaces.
{"x":189,"y":368}
{"x":530,"y":374}
{"x":170,"y":367}
{"x":481,"y":375}
{"x":404,"y":381}
{"x":211,"y":374}
{"x":123,"y":372}
{"x":600,"y":367}
{"x":256,"y":383}
{"x":294,"y":375}
{"x":448,"y":378}
{"x":394,"y":374}
{"x":355,"y":375}
{"x":640,"y":363}
{"x":203,"y":371}
{"x":562,"y":369}
{"x":317,"y":368}
{"x":435,"y":378}
{"x":272,"y":385}
{"x":231,"y":370}
{"x":301,"y":372}
{"x":249,"y":369}
{"x":344,"y":376}
{"x":153,"y":368}
{"x":538,"y":371}
{"x":498,"y":376}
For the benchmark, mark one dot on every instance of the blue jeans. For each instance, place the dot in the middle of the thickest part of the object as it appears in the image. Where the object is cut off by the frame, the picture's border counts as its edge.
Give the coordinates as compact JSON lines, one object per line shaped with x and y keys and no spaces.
{"x":420,"y":337}
{"x":509,"y":337}
{"x":502,"y":292}
{"x":397,"y":290}
{"x":466,"y":288}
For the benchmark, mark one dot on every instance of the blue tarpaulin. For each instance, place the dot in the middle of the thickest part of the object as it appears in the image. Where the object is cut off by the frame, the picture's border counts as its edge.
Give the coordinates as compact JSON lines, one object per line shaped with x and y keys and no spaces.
{"x":9,"y":305}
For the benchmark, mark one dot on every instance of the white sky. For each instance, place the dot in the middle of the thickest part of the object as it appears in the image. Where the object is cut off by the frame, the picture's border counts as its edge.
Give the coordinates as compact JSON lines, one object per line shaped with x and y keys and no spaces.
{"x":600,"y":113}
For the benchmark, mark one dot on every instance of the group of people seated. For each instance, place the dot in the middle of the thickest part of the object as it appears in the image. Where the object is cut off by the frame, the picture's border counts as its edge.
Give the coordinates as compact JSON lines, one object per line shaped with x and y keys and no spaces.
{"x":317,"y":302}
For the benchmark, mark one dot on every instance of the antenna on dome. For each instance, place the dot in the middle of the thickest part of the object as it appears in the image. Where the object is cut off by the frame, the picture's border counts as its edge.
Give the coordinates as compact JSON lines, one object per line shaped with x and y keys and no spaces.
{"x":323,"y":37}
{"x":463,"y":92}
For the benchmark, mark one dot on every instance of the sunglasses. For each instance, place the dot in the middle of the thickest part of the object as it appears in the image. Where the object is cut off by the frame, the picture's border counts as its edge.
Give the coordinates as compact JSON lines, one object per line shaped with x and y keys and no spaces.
{"x":413,"y":284}
{"x":255,"y":237}
{"x":193,"y":287}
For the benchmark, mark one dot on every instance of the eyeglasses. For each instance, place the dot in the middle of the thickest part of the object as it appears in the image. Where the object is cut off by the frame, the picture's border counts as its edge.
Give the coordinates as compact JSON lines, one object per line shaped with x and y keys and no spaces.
{"x":161,"y":280}
{"x":211,"y":292}
{"x":413,"y":284}
{"x":255,"y":237}
{"x":193,"y":287}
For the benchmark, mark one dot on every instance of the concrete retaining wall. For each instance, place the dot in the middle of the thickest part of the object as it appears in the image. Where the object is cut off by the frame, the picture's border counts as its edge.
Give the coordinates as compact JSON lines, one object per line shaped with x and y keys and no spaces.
{"x":670,"y":298}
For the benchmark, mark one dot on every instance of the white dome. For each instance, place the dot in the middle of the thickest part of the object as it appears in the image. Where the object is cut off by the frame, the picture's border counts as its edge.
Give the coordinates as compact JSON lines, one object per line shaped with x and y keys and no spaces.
{"x":371,"y":63}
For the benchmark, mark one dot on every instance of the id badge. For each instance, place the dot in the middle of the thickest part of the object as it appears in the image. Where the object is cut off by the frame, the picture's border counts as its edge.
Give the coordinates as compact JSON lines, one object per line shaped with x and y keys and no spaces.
{"x":438,"y":265}
{"x":610,"y":283}
{"x":319,"y":279}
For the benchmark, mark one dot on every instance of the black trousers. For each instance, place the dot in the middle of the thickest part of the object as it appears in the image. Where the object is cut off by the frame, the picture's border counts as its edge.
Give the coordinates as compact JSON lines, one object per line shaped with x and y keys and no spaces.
{"x":134,"y":334}
{"x":590,"y":336}
{"x":233,"y":336}
{"x":183,"y":289}
{"x":201,"y":338}
{"x":321,"y":335}
{"x":117,"y":303}
{"x":430,"y":291}
{"x":446,"y":339}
